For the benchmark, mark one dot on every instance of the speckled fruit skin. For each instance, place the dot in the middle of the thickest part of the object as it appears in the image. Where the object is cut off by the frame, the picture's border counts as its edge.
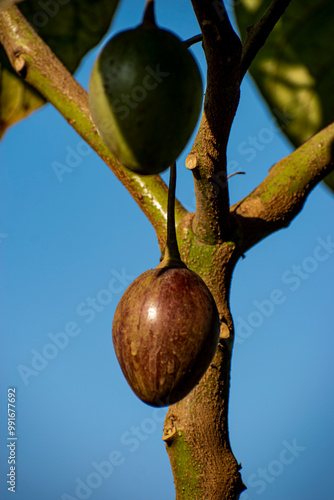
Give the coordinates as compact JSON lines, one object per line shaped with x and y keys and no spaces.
{"x":165,"y":334}
{"x":145,"y":96}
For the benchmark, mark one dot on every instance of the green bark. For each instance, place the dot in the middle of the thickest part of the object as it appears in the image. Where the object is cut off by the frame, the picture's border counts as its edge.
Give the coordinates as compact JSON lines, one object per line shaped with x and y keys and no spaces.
{"x":38,"y":66}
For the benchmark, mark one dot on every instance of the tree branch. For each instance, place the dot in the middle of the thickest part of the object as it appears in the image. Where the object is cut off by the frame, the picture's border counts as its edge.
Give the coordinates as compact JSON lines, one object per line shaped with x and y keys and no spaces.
{"x":207,"y":159}
{"x":281,"y":196}
{"x":37,"y":65}
{"x":258,"y":34}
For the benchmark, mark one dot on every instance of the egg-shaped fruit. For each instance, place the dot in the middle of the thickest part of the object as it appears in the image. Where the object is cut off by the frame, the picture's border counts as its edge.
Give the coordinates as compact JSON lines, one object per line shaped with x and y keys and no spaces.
{"x":165,"y":333}
{"x":145,"y":96}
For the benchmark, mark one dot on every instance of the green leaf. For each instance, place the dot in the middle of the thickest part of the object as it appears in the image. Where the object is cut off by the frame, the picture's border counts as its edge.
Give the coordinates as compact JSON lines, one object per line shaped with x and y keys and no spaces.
{"x":294,"y":70}
{"x":71,"y":28}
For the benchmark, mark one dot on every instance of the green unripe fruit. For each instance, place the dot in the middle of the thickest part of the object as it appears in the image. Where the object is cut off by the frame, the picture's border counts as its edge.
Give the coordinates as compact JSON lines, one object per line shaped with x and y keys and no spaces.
{"x":145,"y":96}
{"x":165,"y":333}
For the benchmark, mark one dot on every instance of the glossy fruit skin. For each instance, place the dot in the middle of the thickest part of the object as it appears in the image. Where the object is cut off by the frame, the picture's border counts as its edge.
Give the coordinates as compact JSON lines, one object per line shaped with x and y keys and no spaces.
{"x":145,"y":96}
{"x":165,"y":334}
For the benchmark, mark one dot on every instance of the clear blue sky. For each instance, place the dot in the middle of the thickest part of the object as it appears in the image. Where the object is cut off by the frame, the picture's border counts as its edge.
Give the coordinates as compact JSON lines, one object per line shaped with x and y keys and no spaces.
{"x":78,"y":423}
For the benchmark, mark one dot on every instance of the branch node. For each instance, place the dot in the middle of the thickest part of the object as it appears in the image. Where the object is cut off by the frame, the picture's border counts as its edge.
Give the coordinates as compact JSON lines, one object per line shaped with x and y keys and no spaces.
{"x":20,"y":65}
{"x":224,"y":331}
{"x":191,"y":161}
{"x":170,"y":430}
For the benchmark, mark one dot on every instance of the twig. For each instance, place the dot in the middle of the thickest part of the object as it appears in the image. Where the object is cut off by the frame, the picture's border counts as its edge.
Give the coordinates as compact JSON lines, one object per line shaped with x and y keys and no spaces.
{"x":236,"y":173}
{"x":194,"y":39}
{"x":259,"y":32}
{"x":280,"y":197}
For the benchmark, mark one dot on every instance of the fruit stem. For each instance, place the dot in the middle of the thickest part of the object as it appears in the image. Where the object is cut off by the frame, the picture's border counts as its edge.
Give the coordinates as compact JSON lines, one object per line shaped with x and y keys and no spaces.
{"x":149,"y":15}
{"x":172,"y":256}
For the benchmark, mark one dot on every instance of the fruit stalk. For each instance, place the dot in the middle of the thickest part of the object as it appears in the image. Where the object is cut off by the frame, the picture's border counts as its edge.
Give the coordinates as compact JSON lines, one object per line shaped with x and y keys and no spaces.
{"x":149,"y":14}
{"x":172,"y":256}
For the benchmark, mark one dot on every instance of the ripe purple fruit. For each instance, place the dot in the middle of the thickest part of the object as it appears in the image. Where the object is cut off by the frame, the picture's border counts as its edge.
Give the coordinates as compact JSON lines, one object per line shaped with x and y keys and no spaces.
{"x":165,"y":333}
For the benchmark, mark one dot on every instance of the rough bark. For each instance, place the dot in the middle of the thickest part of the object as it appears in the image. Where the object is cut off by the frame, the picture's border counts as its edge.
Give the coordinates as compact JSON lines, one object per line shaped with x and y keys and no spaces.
{"x":211,"y":240}
{"x":196,"y":429}
{"x":207,"y":159}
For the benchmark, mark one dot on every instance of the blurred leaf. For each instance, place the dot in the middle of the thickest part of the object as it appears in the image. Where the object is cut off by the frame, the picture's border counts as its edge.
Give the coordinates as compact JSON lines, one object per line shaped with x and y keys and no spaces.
{"x":71,"y":29}
{"x":330,"y":181}
{"x":17,"y":99}
{"x":294,"y":70}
